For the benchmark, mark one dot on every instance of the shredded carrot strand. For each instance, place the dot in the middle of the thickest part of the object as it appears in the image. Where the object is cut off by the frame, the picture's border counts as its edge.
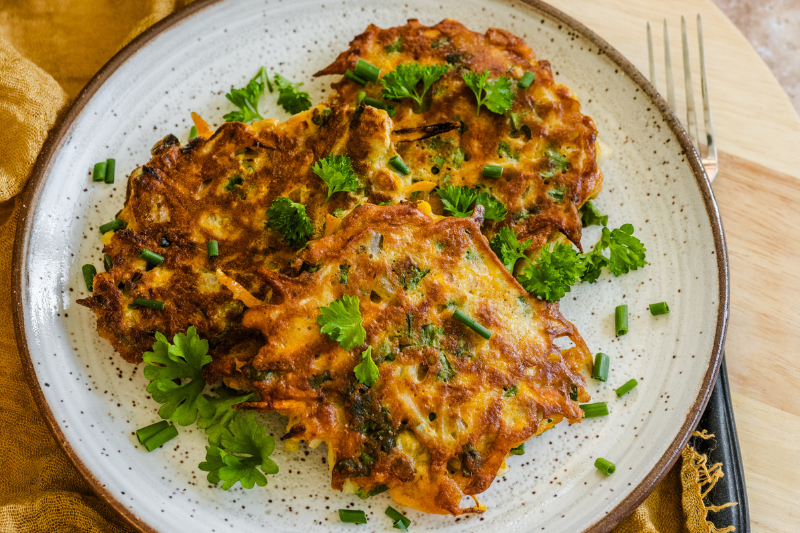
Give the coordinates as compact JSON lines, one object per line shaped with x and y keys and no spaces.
{"x":239,"y":292}
{"x":203,"y":129}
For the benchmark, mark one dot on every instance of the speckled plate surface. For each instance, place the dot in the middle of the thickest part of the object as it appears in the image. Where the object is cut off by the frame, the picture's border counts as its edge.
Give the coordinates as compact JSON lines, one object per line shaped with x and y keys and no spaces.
{"x":94,"y":401}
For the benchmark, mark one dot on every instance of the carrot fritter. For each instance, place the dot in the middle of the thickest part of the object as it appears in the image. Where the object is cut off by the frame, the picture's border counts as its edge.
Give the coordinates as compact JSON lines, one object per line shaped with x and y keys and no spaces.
{"x":543,"y":130}
{"x":220,"y":189}
{"x":448,"y":405}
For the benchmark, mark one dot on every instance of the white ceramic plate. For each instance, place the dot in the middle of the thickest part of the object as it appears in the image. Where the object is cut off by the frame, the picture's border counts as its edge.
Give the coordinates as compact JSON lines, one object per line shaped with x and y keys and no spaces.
{"x":94,"y":401}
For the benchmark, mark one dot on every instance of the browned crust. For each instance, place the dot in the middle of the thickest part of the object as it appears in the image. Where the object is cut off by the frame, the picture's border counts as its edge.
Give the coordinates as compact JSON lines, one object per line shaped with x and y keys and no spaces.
{"x":58,"y":137}
{"x":550,"y":111}
{"x":378,"y":246}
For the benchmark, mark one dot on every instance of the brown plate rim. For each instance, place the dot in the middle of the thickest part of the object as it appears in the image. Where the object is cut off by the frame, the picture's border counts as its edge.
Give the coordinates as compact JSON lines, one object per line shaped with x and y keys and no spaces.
{"x":35,"y":187}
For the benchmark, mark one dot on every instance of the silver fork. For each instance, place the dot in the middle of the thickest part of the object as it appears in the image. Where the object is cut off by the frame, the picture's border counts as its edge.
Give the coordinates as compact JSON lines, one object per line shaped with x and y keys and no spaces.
{"x":710,"y":162}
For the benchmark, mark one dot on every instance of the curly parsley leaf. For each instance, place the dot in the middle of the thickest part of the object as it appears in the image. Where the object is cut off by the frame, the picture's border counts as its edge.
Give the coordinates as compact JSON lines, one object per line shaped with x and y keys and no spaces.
{"x":556,"y":163}
{"x":495,"y":95}
{"x":626,"y":252}
{"x":508,"y":248}
{"x":592,"y":216}
{"x":290,"y":97}
{"x":342,"y":322}
{"x":337,"y":173}
{"x":558,"y":268}
{"x":457,"y":200}
{"x":216,"y":412}
{"x":291,"y":220}
{"x":182,"y":361}
{"x":403,"y":80}
{"x":494,"y":208}
{"x":367,"y":371}
{"x":593,"y":264}
{"x":246,"y":99}
{"x":243,"y":456}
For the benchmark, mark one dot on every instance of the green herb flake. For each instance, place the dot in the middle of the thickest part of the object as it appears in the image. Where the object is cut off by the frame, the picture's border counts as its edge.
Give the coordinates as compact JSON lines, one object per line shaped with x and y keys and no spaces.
{"x":495,"y":95}
{"x":367,"y":371}
{"x":291,"y":220}
{"x":337,"y":173}
{"x":342,"y":322}
{"x":290,"y":98}
{"x":183,"y":361}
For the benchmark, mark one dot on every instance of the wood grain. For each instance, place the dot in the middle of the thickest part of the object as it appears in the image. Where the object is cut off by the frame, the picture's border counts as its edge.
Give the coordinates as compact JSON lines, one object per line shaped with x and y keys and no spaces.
{"x":758,"y":191}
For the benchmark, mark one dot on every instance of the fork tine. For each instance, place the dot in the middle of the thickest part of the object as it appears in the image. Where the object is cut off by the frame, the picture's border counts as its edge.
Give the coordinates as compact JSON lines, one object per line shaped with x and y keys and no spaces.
{"x":668,"y":68}
{"x":709,"y":124}
{"x":651,"y":58}
{"x":691,"y":117}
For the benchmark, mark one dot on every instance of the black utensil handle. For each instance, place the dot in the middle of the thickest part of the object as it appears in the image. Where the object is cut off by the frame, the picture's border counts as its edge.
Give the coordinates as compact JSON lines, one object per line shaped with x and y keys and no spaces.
{"x":724,"y":448}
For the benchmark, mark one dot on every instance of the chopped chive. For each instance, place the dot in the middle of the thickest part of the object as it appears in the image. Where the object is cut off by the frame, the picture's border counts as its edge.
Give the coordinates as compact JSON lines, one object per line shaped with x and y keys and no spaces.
{"x":213,"y":249}
{"x":492,"y":171}
{"x":349,"y":75}
{"x":99,"y":173}
{"x":621,"y":320}
{"x":149,"y":431}
{"x":661,"y":308}
{"x":114,"y":225}
{"x":605,"y":466}
{"x":512,"y":391}
{"x":592,"y":410}
{"x":374,"y":102}
{"x":399,"y":165}
{"x":519,"y":450}
{"x":108,"y":261}
{"x":151,"y":304}
{"x":526,"y":80}
{"x":400,"y":521}
{"x":193,"y":132}
{"x":111,"y":165}
{"x":161,"y":438}
{"x":360,"y":97}
{"x":573,"y":393}
{"x":627,"y":387}
{"x":151,"y":257}
{"x":352,"y":516}
{"x":471,"y":324}
{"x":367,"y":71}
{"x":89,"y":272}
{"x":601,"y":362}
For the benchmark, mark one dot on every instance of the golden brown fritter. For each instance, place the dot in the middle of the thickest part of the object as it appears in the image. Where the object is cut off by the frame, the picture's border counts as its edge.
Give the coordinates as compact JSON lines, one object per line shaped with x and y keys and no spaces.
{"x":220,"y":189}
{"x":448,"y":405}
{"x":545,"y":123}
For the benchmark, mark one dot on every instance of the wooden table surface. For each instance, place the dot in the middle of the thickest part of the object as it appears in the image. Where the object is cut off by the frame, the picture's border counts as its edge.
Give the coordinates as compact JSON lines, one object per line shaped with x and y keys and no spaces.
{"x":758,"y":191}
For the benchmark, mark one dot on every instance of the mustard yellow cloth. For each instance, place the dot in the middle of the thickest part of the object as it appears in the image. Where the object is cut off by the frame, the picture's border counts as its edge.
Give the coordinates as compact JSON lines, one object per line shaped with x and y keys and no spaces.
{"x":49,"y":49}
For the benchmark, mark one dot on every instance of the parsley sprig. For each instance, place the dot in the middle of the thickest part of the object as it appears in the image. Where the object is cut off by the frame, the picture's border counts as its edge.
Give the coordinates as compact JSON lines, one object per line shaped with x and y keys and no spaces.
{"x":495,"y":95}
{"x":457,"y":200}
{"x":182,"y":361}
{"x":402,"y":82}
{"x":246,"y":98}
{"x":239,"y":447}
{"x":625,"y":253}
{"x":508,"y":248}
{"x":290,"y":97}
{"x":243,"y":455}
{"x":337,"y":173}
{"x":290,"y":218}
{"x":342,"y":322}
{"x":560,"y":266}
{"x":216,"y":412}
